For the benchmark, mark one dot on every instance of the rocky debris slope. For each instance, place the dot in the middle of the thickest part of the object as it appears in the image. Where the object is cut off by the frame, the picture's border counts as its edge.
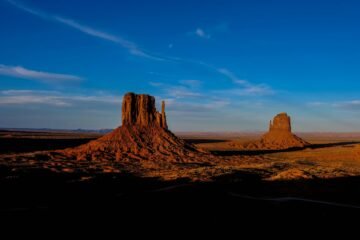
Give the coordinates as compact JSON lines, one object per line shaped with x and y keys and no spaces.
{"x":144,"y":135}
{"x":278,"y":137}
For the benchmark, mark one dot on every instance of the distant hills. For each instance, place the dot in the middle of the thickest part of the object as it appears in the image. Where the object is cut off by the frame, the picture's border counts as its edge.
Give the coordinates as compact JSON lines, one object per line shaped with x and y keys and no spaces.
{"x":79,"y":130}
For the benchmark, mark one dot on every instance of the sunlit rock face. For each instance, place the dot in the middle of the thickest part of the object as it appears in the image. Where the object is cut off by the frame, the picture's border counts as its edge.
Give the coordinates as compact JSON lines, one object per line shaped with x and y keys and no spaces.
{"x":140,"y":110}
{"x":281,"y":122}
{"x":280,"y":135}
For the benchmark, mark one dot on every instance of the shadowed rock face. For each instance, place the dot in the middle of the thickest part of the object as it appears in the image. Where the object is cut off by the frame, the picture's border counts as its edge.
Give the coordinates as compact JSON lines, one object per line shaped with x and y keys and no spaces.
{"x":140,"y":110}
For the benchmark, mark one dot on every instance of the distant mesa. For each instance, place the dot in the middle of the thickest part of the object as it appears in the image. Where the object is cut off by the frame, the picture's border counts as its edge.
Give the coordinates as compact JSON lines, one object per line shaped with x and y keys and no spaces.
{"x":144,"y":135}
{"x":278,"y":137}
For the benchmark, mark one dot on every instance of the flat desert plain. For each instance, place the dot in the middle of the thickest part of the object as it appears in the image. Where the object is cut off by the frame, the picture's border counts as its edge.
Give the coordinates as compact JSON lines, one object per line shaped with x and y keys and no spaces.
{"x":320,"y":181}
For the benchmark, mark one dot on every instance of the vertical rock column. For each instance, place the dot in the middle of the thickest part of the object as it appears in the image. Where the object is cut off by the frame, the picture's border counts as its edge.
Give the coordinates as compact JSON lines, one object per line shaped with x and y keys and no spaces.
{"x":140,"y":110}
{"x":281,"y":123}
{"x":163,"y":116}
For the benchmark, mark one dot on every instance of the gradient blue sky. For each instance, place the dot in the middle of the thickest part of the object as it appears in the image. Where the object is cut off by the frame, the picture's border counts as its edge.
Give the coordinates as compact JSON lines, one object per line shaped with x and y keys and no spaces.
{"x":220,"y":65}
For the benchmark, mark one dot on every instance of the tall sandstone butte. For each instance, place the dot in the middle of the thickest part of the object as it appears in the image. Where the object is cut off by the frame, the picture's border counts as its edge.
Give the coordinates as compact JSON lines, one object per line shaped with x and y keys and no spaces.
{"x":143,"y":135}
{"x":140,"y":110}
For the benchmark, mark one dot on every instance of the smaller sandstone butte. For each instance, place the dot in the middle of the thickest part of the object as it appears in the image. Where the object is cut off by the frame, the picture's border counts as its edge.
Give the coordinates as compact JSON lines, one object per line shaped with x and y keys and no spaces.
{"x":281,"y":122}
{"x":279,"y":136}
{"x":140,"y":110}
{"x":144,"y":135}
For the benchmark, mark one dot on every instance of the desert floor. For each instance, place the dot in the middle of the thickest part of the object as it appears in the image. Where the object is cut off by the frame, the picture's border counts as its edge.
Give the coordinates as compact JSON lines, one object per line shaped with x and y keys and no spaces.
{"x":319,"y":182}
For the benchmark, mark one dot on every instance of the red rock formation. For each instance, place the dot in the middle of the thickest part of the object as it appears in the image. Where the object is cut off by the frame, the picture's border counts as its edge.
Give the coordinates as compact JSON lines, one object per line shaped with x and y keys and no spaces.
{"x":281,"y":122}
{"x":163,"y":116}
{"x":279,"y":136}
{"x":140,"y":110}
{"x":142,"y":136}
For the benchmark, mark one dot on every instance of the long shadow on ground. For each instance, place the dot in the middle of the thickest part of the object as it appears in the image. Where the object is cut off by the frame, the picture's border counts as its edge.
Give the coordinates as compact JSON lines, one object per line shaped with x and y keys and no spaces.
{"x":259,"y":152}
{"x":230,"y":201}
{"x":22,"y":145}
{"x":200,"y":140}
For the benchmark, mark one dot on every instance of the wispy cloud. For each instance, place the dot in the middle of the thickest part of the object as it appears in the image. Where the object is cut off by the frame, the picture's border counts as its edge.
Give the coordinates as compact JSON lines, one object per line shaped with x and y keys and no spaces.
{"x":247,"y":88}
{"x":202,"y":34}
{"x":232,"y":76}
{"x":21,"y":72}
{"x":182,"y":92}
{"x":130,"y":46}
{"x":53,"y":98}
{"x":210,"y":31}
{"x":185,"y":89}
{"x":93,"y":32}
{"x":182,"y":107}
{"x":351,"y":105}
{"x":191,"y":83}
{"x":21,"y":97}
{"x":29,"y":10}
{"x":246,"y":92}
{"x":155,"y":84}
{"x":316,"y":104}
{"x":348,"y":105}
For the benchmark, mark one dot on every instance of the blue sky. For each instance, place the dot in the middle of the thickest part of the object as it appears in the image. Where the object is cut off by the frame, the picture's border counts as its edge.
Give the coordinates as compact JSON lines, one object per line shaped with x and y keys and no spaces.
{"x":219,"y":65}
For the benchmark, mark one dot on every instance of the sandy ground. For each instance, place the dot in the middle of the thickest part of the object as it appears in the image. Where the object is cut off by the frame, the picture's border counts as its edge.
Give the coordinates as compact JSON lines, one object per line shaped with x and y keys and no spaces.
{"x":247,"y":189}
{"x":330,"y":156}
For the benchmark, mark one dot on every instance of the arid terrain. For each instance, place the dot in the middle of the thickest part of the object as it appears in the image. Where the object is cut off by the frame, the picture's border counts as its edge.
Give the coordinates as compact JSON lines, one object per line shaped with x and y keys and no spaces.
{"x":143,"y":169}
{"x":320,"y":181}
{"x":330,"y":155}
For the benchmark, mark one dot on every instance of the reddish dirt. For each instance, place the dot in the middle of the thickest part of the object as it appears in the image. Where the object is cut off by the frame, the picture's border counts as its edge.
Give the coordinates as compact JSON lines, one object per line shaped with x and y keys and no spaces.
{"x":135,"y":142}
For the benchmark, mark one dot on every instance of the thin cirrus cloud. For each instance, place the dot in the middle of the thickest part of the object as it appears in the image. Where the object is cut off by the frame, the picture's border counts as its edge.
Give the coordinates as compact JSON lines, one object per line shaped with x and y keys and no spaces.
{"x":247,"y":88}
{"x":246,"y":92}
{"x":351,"y":105}
{"x":176,"y":106}
{"x":202,"y":34}
{"x":191,"y":83}
{"x":47,"y":77}
{"x":207,"y":34}
{"x":348,"y":105}
{"x":186,"y":89}
{"x":53,"y":98}
{"x":130,"y":46}
{"x":182,"y":92}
